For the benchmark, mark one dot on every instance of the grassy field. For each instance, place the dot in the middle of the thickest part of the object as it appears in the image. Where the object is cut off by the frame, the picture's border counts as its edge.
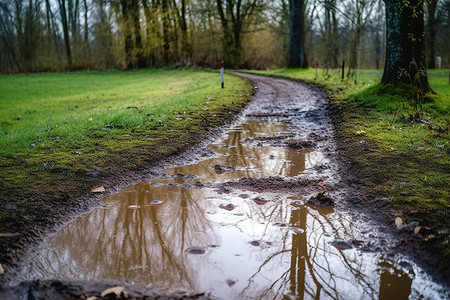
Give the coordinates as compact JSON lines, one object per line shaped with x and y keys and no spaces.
{"x":408,"y":160}
{"x":65,"y":111}
{"x":61,"y":133}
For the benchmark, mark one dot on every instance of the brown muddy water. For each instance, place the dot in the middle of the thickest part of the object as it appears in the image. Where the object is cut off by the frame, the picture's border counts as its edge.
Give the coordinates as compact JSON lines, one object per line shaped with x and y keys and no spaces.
{"x":189,"y":229}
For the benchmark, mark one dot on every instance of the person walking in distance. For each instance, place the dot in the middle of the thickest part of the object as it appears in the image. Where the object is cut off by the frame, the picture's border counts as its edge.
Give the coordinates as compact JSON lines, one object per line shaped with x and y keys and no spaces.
{"x":222,"y":69}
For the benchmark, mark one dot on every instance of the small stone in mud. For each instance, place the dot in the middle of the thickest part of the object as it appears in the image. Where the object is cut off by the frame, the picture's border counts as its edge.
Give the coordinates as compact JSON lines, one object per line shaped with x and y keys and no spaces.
{"x":272,"y":157}
{"x":299,"y":144}
{"x":222,"y":169}
{"x":178,"y":175}
{"x":244,"y":196}
{"x":230,"y":282}
{"x":223,"y":190}
{"x":321,"y":199}
{"x":279,"y":224}
{"x":227,"y":207}
{"x":155,"y":202}
{"x":134,"y":206}
{"x":341,"y":244}
{"x":196,"y":251}
{"x":255,"y":243}
{"x":260,"y":201}
{"x":191,"y":177}
{"x":98,"y":189}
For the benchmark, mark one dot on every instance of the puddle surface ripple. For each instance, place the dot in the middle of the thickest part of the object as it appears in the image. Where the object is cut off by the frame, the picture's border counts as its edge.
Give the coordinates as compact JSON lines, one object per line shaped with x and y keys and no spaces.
{"x":192,"y":230}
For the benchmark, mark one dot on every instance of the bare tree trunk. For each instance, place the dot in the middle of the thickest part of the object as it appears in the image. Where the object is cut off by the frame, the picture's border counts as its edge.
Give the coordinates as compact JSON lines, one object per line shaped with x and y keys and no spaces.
{"x":431,"y":30}
{"x":227,"y":35}
{"x":135,"y":16}
{"x":297,"y":56}
{"x":126,"y":27}
{"x":186,"y":43}
{"x":65,"y":27}
{"x":405,"y":47}
{"x":86,"y":43}
{"x":148,"y":33}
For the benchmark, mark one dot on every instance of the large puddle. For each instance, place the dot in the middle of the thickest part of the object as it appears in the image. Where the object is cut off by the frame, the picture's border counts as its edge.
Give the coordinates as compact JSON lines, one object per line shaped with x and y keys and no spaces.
{"x":185,"y":231}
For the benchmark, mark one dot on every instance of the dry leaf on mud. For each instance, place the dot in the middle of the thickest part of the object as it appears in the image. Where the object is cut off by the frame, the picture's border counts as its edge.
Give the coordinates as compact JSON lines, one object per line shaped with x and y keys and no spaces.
{"x":398,"y":221}
{"x":321,"y":183}
{"x":360,"y":132}
{"x":2,"y":271}
{"x":429,"y":237}
{"x":417,"y":229}
{"x":98,"y":189}
{"x":116,"y":290}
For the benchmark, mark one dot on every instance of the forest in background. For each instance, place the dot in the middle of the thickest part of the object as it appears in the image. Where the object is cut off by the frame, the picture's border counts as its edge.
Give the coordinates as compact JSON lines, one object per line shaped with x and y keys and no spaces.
{"x":57,"y":35}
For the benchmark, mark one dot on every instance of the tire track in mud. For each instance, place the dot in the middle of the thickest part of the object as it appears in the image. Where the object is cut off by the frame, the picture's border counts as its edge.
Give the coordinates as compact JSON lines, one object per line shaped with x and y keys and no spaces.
{"x":305,"y":108}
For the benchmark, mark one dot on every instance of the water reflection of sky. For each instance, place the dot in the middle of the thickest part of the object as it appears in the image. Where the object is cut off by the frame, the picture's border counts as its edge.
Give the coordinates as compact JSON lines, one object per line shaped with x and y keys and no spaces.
{"x":278,"y":249}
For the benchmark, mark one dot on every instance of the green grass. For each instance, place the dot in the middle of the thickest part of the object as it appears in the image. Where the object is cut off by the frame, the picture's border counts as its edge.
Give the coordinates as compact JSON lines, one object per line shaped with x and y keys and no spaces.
{"x":41,"y":111}
{"x":73,"y":123}
{"x":410,"y":156}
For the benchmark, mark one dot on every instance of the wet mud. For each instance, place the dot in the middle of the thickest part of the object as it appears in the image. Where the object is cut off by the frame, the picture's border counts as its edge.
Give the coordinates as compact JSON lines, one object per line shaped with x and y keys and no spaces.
{"x":260,"y":213}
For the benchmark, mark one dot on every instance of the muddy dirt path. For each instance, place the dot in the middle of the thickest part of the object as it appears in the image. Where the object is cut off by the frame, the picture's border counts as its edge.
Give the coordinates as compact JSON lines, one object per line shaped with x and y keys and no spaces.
{"x":260,"y":213}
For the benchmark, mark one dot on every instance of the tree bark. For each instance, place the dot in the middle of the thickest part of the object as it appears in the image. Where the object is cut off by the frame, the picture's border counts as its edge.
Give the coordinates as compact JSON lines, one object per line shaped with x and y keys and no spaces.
{"x":166,"y":30}
{"x":139,"y":48}
{"x":65,"y":26}
{"x":227,"y":35}
{"x":431,"y":33}
{"x":126,"y":27}
{"x":405,"y":44}
{"x":297,"y":55}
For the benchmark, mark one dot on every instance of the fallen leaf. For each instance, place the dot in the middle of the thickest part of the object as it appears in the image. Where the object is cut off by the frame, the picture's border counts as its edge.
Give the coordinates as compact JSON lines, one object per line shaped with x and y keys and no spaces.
{"x":398,"y":221}
{"x":321,"y":183}
{"x":360,"y":132}
{"x":114,"y":290}
{"x":424,"y":231}
{"x":417,"y":229}
{"x":2,"y":271}
{"x":98,"y":189}
{"x":429,"y":237}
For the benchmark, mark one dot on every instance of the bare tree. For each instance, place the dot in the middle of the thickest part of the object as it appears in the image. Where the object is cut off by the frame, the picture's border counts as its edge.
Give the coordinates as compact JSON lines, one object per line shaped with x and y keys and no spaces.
{"x":431,"y":25}
{"x":405,"y":46}
{"x":235,"y":17}
{"x":297,"y":55}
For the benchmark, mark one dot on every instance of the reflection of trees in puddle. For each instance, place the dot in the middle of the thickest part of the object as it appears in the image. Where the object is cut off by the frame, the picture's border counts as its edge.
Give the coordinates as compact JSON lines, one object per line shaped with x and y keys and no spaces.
{"x":318,"y":270}
{"x":253,"y":160}
{"x":268,"y":250}
{"x":147,"y":244}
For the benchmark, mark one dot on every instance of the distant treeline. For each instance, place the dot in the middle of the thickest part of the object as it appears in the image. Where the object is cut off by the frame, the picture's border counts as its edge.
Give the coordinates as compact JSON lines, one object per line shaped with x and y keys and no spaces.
{"x":56,"y":35}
